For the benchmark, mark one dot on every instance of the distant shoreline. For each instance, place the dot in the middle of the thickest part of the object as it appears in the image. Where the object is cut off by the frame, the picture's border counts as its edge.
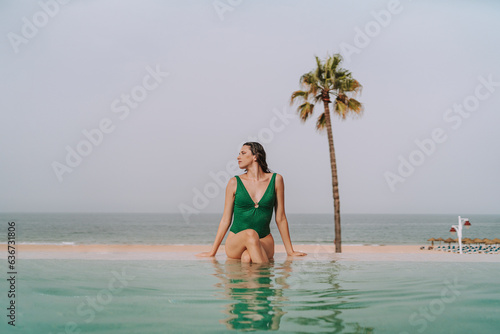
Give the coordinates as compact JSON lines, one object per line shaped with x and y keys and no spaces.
{"x":311,"y":248}
{"x":315,"y":252}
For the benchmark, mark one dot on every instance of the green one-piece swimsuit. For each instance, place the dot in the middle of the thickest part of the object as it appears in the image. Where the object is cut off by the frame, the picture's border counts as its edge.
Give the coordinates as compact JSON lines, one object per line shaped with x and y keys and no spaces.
{"x":250,"y":215}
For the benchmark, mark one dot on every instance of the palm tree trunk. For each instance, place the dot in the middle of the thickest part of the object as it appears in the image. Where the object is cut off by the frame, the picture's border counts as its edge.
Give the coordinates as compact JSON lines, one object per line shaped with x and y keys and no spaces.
{"x":335,"y":180}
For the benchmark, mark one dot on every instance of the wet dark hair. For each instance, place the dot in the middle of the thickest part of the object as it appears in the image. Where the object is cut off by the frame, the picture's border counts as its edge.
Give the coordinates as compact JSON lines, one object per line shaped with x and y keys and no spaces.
{"x":259,"y":152}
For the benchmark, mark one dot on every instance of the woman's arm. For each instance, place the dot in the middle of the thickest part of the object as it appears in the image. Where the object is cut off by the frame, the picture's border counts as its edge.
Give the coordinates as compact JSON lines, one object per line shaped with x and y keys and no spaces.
{"x":226,"y":218}
{"x":281,"y":220}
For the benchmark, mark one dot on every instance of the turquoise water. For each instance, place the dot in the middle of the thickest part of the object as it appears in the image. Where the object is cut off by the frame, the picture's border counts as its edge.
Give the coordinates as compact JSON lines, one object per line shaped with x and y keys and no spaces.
{"x":130,"y":228}
{"x":308,"y":295}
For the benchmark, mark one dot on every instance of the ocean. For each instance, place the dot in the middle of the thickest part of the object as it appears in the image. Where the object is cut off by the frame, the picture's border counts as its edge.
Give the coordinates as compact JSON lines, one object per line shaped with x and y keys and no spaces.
{"x":168,"y":228}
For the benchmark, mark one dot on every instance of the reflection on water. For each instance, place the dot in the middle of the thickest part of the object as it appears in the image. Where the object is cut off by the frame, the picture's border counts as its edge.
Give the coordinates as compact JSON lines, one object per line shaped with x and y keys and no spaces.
{"x":256,"y":298}
{"x":299,"y":295}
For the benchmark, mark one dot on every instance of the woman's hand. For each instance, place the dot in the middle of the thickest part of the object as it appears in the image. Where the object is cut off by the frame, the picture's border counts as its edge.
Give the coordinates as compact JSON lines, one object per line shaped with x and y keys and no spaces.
{"x":297,"y":254}
{"x":206,"y":254}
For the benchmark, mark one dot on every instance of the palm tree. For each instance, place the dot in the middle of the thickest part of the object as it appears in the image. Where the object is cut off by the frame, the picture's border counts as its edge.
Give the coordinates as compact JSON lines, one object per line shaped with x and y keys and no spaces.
{"x":326,"y":81}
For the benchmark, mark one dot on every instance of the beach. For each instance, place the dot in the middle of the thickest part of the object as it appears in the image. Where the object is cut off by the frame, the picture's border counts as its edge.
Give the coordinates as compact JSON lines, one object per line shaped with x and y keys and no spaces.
{"x":188,"y":252}
{"x":310,"y":248}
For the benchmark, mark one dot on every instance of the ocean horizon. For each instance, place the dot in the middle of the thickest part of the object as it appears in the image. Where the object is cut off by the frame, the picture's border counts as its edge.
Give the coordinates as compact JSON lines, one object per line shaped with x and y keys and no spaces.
{"x":171,"y":228}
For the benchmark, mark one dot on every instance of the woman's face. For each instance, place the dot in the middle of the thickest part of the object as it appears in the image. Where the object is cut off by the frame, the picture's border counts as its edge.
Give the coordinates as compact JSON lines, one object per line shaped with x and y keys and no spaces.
{"x":245,"y":158}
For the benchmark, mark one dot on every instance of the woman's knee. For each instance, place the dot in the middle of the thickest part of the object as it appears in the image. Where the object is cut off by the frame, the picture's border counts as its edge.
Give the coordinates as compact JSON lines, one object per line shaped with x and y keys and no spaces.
{"x":245,"y":257}
{"x":251,"y":235}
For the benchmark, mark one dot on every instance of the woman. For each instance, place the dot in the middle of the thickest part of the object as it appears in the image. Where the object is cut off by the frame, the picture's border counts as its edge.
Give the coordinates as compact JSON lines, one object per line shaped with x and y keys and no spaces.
{"x":252,"y":197}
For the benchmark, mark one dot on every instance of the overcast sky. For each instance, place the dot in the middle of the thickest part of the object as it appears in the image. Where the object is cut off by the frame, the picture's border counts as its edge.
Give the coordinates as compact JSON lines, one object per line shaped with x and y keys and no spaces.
{"x":134,"y":106}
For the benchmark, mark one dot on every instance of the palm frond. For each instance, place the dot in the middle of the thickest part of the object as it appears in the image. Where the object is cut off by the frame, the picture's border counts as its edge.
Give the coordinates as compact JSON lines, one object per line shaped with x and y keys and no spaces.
{"x":300,"y":94}
{"x":319,"y":71}
{"x":340,"y":108}
{"x":305,"y":110}
{"x":345,"y":106}
{"x":355,"y":106}
{"x":336,"y":60}
{"x":342,"y":97}
{"x":307,"y":79}
{"x":314,"y":88}
{"x":355,"y":86}
{"x":348,"y":84}
{"x":331,"y":65}
{"x":321,"y":122}
{"x":341,"y":80}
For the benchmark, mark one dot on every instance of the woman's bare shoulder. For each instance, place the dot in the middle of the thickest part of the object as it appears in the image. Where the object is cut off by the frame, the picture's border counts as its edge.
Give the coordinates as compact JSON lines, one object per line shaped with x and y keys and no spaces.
{"x":231,"y":185}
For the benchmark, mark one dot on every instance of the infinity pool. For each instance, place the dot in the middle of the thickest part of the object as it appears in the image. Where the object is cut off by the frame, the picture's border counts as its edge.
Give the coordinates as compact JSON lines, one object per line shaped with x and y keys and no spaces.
{"x":307,"y":295}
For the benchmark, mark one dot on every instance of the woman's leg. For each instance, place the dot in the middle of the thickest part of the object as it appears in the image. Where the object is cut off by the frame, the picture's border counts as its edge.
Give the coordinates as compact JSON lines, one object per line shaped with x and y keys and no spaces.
{"x":268,"y":245}
{"x":245,"y":257}
{"x":247,"y":246}
{"x":246,"y":239}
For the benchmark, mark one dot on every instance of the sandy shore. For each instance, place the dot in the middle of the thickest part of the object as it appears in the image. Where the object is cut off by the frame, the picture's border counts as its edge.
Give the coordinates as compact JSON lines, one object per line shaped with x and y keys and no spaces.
{"x":188,"y":252}
{"x":203,"y":248}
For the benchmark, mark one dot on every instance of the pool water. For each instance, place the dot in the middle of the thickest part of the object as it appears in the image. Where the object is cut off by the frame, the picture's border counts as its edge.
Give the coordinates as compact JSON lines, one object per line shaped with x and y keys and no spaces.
{"x":307,"y":295}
